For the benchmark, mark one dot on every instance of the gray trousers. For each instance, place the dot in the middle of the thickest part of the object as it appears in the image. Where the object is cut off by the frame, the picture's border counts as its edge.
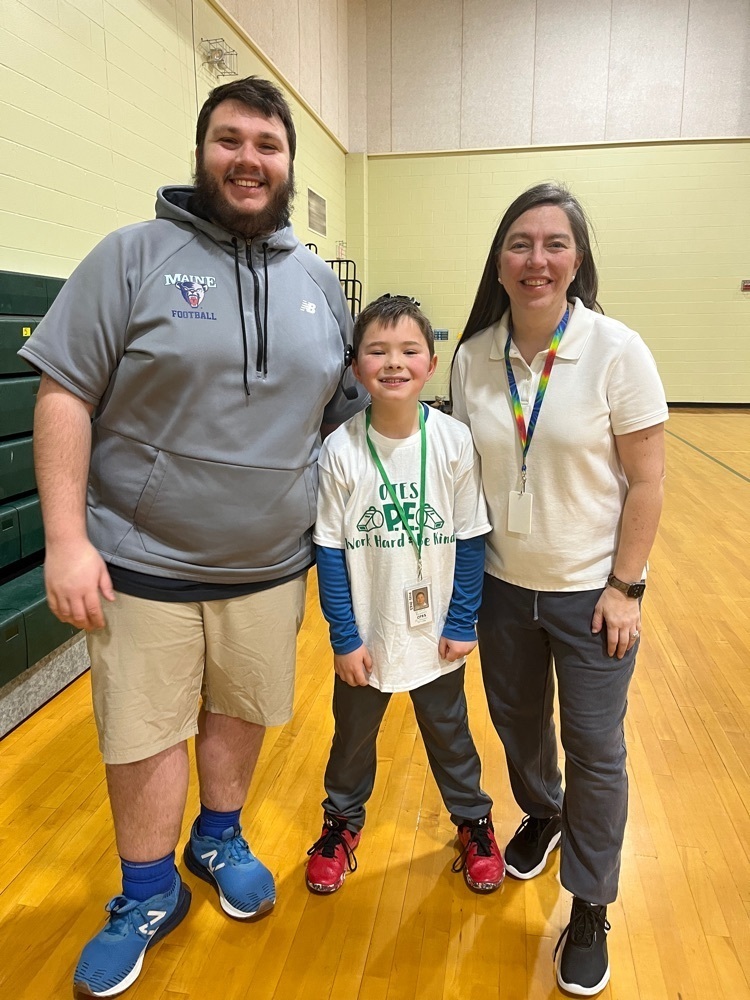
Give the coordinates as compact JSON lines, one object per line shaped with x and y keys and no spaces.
{"x":522,"y":635}
{"x":440,"y":708}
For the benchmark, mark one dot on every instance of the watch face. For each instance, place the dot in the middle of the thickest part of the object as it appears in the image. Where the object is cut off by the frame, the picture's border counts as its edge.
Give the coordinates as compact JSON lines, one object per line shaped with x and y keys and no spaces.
{"x":636,"y":589}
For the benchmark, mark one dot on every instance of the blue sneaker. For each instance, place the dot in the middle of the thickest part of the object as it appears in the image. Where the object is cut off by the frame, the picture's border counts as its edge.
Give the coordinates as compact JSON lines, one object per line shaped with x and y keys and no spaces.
{"x":112,"y":960}
{"x":244,"y":884}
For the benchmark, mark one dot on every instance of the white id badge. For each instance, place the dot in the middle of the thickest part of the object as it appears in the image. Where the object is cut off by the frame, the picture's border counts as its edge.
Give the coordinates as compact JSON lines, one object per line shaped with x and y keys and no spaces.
{"x":418,"y":598}
{"x":519,"y":512}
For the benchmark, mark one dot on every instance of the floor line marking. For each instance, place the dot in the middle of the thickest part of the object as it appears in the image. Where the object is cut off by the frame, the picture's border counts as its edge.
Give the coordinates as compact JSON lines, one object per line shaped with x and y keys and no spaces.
{"x":711,"y":457}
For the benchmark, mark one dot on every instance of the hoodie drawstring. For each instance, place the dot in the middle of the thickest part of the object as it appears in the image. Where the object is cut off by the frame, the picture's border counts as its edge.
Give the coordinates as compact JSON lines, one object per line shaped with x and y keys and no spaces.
{"x":242,"y":311}
{"x":265,"y":311}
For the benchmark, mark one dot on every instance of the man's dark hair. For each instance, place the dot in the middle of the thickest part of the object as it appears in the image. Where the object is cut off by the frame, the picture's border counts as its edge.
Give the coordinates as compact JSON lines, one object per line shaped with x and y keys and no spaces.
{"x":388,"y":310}
{"x":258,"y":95}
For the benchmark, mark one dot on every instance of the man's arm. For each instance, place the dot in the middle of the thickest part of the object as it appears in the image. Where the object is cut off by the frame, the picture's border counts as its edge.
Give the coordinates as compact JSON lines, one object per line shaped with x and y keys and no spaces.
{"x":75,"y":574}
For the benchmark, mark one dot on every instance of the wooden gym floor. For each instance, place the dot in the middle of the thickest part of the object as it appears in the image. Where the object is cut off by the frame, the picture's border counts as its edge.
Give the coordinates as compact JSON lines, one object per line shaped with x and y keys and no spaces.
{"x":404,"y":926}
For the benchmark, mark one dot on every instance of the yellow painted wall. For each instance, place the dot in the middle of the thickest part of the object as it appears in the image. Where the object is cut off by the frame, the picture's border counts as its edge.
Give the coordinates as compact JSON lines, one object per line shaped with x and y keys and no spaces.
{"x":672,"y":222}
{"x":98,"y":102}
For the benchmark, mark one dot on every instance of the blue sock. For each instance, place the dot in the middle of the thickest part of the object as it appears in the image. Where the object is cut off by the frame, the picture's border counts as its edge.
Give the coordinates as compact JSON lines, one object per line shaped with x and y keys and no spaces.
{"x":213,"y":824}
{"x":143,"y":879}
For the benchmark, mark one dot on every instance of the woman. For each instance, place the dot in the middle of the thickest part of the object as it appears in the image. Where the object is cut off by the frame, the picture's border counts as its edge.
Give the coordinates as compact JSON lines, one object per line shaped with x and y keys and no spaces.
{"x":574,"y":502}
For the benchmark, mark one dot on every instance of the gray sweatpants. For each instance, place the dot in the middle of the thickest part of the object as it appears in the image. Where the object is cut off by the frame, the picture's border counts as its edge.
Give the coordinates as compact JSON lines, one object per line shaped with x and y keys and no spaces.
{"x":522,"y":634}
{"x":440,"y":708}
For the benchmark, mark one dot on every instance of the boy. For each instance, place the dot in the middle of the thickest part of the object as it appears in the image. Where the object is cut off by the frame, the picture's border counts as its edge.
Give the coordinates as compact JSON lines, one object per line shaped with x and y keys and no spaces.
{"x":400,"y":565}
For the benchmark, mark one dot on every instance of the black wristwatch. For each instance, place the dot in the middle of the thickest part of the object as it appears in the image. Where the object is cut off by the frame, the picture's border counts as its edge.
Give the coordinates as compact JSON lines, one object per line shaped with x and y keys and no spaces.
{"x":628,"y":589}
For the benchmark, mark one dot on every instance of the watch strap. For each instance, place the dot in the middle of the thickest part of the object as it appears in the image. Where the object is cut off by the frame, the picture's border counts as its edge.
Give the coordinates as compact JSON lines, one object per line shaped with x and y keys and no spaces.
{"x":629,"y":589}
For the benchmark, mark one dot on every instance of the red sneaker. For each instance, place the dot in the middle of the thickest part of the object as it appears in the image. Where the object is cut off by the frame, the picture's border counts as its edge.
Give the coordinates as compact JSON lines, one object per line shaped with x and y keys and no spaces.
{"x":331,"y":857}
{"x":480,"y":857}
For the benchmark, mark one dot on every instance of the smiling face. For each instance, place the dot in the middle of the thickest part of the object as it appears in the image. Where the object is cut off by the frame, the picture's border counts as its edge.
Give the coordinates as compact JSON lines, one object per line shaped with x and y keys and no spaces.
{"x":538,"y":260}
{"x":393,"y":362}
{"x":243,"y":174}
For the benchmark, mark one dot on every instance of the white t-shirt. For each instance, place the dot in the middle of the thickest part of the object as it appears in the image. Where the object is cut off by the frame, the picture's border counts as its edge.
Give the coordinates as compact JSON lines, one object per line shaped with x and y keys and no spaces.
{"x":603,"y":383}
{"x":355,"y":513}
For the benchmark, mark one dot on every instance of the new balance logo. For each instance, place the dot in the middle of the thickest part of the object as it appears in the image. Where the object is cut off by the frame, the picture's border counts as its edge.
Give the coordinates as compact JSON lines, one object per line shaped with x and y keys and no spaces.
{"x":308,"y":307}
{"x":210,"y":858}
{"x":156,"y":917}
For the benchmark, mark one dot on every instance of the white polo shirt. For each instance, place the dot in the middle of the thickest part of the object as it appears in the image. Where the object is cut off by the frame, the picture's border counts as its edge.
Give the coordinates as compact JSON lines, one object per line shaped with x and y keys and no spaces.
{"x":603,"y":383}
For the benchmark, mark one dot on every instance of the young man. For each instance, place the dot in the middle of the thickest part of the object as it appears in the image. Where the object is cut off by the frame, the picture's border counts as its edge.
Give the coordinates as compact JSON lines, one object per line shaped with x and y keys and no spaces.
{"x":208,"y":347}
{"x":401,"y":519}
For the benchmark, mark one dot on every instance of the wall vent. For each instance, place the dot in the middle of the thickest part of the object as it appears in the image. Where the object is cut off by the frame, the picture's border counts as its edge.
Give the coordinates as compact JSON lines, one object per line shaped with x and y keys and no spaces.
{"x":316,"y":212}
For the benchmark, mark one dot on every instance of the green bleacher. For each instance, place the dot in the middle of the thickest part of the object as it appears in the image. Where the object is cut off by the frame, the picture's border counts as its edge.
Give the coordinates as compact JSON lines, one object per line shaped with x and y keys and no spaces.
{"x":28,"y":629}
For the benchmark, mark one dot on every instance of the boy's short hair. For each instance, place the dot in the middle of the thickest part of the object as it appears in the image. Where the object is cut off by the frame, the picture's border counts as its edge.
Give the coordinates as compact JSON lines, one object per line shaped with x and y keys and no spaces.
{"x":388,"y":310}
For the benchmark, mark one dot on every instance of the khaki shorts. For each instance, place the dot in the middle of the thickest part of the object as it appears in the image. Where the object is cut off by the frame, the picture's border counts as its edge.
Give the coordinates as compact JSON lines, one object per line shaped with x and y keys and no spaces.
{"x":154,"y":660}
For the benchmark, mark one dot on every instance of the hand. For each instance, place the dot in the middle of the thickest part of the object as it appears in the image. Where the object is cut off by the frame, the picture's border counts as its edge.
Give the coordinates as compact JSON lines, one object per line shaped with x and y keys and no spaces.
{"x":452,"y":650}
{"x":75,"y":575}
{"x":622,"y":616}
{"x":355,"y":667}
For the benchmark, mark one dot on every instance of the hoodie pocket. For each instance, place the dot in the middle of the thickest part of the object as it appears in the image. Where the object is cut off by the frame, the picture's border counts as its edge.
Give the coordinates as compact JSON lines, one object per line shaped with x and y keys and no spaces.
{"x":208,"y":514}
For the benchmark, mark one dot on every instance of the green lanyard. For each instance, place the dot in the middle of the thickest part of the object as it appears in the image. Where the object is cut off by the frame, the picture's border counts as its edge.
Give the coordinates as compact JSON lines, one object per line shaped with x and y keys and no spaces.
{"x":417,"y":542}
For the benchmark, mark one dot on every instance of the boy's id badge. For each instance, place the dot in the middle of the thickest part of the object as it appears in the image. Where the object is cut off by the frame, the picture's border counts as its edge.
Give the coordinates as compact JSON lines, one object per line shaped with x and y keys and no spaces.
{"x":519,"y":512}
{"x":418,"y":603}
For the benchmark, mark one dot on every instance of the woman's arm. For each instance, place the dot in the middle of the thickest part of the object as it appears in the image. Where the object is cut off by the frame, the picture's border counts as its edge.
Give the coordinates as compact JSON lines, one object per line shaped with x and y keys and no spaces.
{"x":642,"y":456}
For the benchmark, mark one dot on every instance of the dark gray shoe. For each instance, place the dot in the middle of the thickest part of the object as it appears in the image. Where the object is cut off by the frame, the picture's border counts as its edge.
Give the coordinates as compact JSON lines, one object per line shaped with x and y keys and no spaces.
{"x":583,"y":968}
{"x":531,"y":845}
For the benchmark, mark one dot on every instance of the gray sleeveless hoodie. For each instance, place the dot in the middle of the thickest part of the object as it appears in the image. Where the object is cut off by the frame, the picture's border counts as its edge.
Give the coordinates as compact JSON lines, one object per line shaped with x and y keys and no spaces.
{"x":211,"y":364}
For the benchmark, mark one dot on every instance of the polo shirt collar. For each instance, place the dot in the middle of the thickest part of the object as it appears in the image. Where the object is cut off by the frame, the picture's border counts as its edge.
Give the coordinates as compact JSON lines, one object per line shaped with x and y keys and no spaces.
{"x":577,"y":332}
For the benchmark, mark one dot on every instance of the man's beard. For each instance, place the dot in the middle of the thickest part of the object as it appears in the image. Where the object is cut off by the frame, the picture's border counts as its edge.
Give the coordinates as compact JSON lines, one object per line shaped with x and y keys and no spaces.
{"x":210,"y":202}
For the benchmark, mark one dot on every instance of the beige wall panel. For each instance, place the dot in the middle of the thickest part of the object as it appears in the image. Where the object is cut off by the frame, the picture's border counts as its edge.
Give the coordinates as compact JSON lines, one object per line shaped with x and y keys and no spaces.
{"x":646,"y":69}
{"x":498,"y":73}
{"x":237,"y":9}
{"x":329,"y":64}
{"x":286,"y":39}
{"x":256,"y":17}
{"x":426,"y":75}
{"x":379,"y":76}
{"x":357,"y":75}
{"x":309,"y":52}
{"x":570,"y":83}
{"x":307,"y":41}
{"x":717,"y":69}
{"x":343,"y":56}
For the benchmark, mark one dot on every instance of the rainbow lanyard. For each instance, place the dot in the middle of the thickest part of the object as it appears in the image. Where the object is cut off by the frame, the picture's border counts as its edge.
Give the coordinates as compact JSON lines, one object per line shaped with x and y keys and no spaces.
{"x":524,"y":433}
